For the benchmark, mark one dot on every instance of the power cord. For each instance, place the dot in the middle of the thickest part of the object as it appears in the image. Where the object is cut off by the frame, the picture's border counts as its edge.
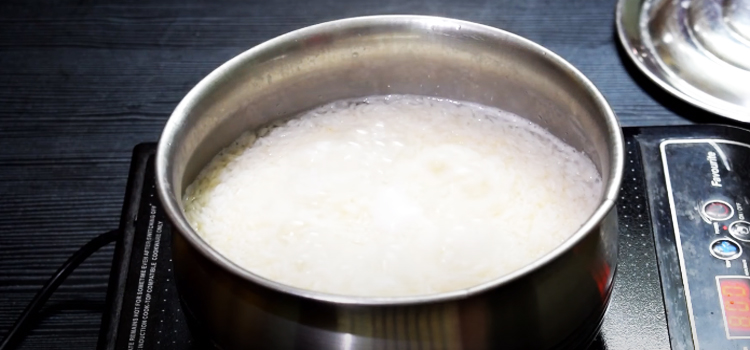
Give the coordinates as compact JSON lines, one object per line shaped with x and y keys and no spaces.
{"x":24,"y":321}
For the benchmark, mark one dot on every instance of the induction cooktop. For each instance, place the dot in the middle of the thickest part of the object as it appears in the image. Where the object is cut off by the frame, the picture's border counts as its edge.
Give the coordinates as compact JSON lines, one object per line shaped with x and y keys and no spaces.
{"x":682,"y":280}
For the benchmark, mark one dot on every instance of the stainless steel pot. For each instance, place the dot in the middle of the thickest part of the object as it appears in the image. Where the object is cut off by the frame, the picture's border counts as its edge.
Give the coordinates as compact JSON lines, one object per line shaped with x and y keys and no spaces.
{"x":556,"y":302}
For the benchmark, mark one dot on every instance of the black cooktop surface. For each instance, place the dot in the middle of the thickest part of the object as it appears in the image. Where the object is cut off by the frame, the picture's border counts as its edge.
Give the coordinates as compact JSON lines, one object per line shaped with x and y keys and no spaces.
{"x":681,"y":274}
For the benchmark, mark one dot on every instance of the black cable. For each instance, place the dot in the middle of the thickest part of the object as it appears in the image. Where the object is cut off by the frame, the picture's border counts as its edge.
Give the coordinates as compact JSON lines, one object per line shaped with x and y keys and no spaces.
{"x":20,"y":327}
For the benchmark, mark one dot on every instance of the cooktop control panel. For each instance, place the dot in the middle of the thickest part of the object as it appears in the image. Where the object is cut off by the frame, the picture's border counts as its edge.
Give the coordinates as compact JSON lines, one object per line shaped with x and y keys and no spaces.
{"x":709,"y":207}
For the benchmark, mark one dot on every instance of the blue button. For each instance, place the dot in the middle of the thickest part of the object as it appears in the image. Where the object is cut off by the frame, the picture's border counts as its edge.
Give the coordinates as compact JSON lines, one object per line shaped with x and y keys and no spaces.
{"x":725,"y":249}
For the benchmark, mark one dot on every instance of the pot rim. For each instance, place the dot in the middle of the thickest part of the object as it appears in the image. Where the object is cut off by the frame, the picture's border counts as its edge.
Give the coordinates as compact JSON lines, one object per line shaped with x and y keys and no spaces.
{"x":180,"y":223}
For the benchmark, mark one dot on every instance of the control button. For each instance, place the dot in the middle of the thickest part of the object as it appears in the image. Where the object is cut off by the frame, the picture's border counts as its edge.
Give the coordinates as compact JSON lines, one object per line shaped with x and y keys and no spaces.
{"x":726,"y":249}
{"x":718,"y":210}
{"x":740,"y":230}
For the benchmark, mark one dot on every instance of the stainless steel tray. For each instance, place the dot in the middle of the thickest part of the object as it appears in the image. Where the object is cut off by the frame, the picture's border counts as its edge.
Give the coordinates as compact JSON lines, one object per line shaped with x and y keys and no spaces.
{"x":698,"y":50}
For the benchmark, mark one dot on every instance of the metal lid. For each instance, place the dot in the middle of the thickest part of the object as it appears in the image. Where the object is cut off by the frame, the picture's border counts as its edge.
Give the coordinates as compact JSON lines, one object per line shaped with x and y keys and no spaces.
{"x":698,"y":50}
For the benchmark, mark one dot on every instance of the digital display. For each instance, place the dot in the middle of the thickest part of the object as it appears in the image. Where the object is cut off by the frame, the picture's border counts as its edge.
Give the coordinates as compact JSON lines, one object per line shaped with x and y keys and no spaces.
{"x":734,"y":292}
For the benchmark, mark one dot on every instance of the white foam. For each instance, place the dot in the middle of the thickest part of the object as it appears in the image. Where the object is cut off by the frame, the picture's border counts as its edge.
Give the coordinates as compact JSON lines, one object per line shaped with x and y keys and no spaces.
{"x":393,"y":196}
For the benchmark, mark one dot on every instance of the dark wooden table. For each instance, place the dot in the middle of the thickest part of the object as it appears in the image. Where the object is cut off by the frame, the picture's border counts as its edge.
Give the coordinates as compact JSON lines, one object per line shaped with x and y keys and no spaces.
{"x":82,"y":82}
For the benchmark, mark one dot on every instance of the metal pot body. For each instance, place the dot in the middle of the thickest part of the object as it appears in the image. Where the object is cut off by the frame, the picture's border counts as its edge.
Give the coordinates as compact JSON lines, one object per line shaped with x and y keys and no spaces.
{"x":555,"y":302}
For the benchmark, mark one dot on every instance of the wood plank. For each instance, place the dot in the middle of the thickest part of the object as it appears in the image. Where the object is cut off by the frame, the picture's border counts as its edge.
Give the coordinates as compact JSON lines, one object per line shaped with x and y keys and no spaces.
{"x":82,"y":82}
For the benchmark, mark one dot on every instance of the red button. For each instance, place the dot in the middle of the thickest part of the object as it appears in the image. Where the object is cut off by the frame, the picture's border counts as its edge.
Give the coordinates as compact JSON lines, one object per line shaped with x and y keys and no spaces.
{"x":718,"y":210}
